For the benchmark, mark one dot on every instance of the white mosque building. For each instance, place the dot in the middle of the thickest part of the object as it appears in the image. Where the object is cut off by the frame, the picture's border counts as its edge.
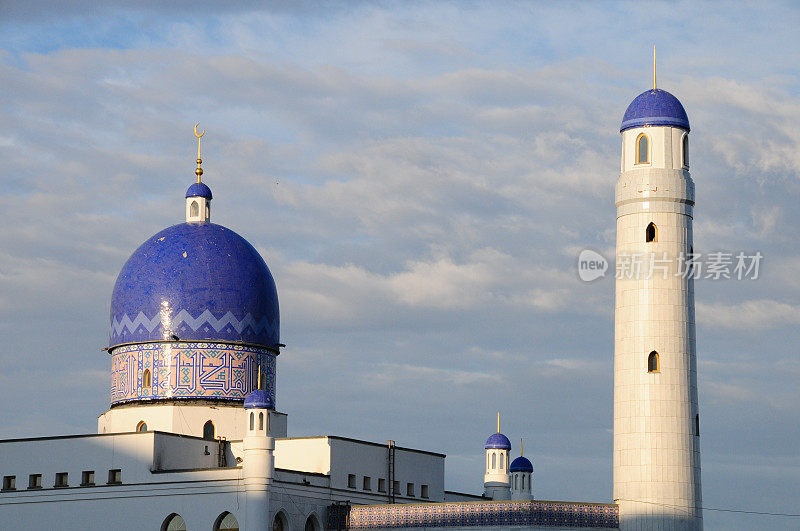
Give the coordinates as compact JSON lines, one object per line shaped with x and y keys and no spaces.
{"x":193,"y":439}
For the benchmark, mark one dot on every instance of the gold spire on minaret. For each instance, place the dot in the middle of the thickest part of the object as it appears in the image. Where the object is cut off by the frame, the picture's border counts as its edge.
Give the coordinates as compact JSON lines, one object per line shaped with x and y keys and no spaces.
{"x":199,"y":170}
{"x":520,"y":446}
{"x":654,"y":72}
{"x":498,"y":422}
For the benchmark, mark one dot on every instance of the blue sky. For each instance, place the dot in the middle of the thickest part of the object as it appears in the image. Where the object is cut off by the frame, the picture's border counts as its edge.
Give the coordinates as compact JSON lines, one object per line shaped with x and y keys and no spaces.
{"x":420,"y":178}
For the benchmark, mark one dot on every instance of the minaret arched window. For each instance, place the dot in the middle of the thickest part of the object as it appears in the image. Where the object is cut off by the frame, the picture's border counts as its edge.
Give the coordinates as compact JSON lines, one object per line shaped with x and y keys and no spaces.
{"x":173,"y":522}
{"x":494,"y":460}
{"x":208,"y":431}
{"x":146,"y":379}
{"x":652,"y":362}
{"x":697,"y":424}
{"x":642,"y":149}
{"x":226,"y":522}
{"x":651,"y":233}
{"x":685,"y":150}
{"x":252,"y":421}
{"x":261,"y":421}
{"x":194,"y":209}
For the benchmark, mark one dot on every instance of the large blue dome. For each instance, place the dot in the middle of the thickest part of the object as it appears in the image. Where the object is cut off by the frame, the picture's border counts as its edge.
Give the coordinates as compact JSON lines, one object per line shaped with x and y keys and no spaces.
{"x":498,"y":441}
{"x":197,"y":282}
{"x":655,"y":107}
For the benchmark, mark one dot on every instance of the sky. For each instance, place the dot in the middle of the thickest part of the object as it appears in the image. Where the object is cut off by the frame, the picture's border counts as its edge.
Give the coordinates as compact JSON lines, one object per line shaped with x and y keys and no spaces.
{"x":420,"y":178}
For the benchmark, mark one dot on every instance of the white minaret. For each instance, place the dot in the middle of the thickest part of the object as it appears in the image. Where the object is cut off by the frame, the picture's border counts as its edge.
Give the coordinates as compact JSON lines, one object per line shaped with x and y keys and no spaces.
{"x":496,"y":481}
{"x":656,"y":421}
{"x":258,"y":466}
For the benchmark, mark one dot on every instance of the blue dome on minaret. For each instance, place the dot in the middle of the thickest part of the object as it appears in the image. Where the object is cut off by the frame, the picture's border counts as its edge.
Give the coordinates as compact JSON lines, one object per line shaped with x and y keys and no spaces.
{"x":199,"y":282}
{"x":655,"y":107}
{"x":521,"y":464}
{"x":199,"y":189}
{"x":259,"y":399}
{"x":498,"y":441}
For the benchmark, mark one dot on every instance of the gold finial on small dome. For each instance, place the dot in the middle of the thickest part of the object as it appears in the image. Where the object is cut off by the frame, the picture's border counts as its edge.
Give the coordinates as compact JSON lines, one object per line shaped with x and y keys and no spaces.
{"x":199,"y":170}
{"x":520,"y":446}
{"x":498,"y":422}
{"x":654,"y":69}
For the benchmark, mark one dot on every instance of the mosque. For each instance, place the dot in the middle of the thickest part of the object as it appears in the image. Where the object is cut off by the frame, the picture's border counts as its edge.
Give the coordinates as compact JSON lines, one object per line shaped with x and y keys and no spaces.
{"x":193,"y":438}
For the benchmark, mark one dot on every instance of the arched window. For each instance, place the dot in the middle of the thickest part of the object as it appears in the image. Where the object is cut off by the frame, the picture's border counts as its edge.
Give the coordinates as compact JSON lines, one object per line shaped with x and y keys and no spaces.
{"x":260,"y":421}
{"x":226,"y":522}
{"x":208,"y":431}
{"x":652,"y":362}
{"x":279,"y":523}
{"x":651,"y":233}
{"x":208,"y":211}
{"x":501,"y":461}
{"x":494,"y":460}
{"x":685,"y":150}
{"x":311,"y":523}
{"x":516,"y":481}
{"x":642,"y":149}
{"x":142,"y":426}
{"x":523,"y":481}
{"x":146,"y":380}
{"x":194,"y":209}
{"x":173,"y":522}
{"x":487,"y":460}
{"x":697,"y":424}
{"x":252,"y":421}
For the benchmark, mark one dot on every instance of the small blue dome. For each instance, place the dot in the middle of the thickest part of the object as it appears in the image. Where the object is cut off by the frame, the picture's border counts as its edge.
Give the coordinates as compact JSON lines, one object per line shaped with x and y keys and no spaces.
{"x":655,"y":107}
{"x":197,"y":282}
{"x":199,"y":190}
{"x":259,"y":399}
{"x":521,"y":464}
{"x":498,"y":441}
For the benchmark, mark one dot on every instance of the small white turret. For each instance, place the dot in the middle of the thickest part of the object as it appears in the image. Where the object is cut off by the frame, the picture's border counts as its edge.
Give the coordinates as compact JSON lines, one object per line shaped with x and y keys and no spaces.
{"x":258,"y":466}
{"x":521,"y":470}
{"x":496,"y":481}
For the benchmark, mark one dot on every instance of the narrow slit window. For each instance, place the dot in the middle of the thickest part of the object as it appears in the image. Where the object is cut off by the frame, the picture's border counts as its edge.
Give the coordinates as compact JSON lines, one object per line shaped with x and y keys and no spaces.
{"x":261,"y":421}
{"x":652,"y":362}
{"x":685,"y":151}
{"x":252,"y":421}
{"x":651,"y":233}
{"x":501,"y":461}
{"x":697,"y":425}
{"x":642,"y":149}
{"x":494,"y":460}
{"x":208,"y":431}
{"x":194,"y":209}
{"x":146,"y":379}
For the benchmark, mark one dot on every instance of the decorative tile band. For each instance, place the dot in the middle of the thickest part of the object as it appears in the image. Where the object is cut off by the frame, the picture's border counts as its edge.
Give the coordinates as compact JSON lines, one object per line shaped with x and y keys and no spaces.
{"x":181,"y":323}
{"x":471,"y":514}
{"x":189,"y":370}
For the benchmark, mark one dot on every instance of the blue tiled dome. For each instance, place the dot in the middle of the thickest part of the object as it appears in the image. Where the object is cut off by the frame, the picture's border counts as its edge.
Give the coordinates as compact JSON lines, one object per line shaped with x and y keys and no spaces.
{"x":199,"y":190}
{"x":196,"y":281}
{"x":655,"y":107}
{"x":498,"y":441}
{"x":521,"y":464}
{"x":259,"y":399}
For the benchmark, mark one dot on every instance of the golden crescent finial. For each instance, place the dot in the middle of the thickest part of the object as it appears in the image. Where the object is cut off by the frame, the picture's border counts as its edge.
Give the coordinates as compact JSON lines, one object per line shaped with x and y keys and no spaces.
{"x":199,"y":170}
